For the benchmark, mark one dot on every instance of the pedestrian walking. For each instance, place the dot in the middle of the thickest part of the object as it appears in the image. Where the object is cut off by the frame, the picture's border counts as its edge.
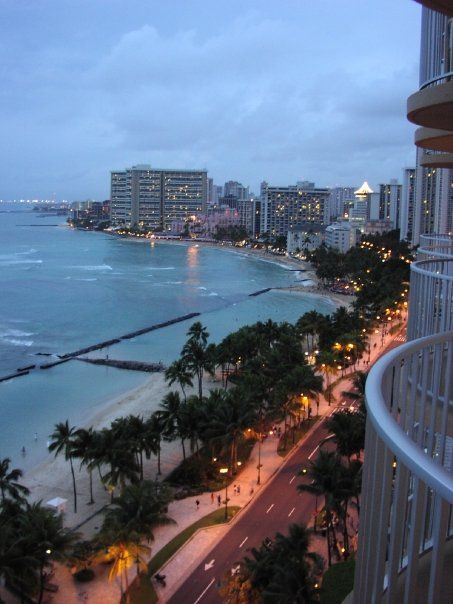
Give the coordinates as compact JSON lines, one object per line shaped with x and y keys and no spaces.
{"x":198,"y":503}
{"x":238,"y":489}
{"x":212,"y":497}
{"x":219,"y":500}
{"x":234,"y":489}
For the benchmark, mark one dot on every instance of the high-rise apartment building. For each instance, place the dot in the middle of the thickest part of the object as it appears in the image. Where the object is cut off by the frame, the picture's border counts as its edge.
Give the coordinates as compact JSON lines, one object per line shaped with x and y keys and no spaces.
{"x":339,"y":199}
{"x":406,"y":525}
{"x":432,"y":211}
{"x":390,"y":202}
{"x":236,"y":189}
{"x":143,"y":196}
{"x":407,"y":204}
{"x":283,"y":208}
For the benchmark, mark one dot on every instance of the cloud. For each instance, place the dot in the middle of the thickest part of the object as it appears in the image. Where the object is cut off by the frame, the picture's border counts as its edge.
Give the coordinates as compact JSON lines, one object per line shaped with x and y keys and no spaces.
{"x":261,"y":98}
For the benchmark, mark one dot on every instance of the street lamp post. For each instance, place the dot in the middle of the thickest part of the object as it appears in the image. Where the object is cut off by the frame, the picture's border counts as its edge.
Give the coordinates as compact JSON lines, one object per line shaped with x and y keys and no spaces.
{"x":258,"y":467}
{"x":225,"y":472}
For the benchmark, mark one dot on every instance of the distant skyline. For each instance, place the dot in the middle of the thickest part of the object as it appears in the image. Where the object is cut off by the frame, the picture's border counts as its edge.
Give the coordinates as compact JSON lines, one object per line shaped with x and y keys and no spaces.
{"x":251,"y":91}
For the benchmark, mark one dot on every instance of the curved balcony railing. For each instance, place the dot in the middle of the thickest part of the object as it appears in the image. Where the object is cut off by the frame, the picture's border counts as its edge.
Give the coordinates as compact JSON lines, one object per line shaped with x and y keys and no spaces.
{"x":430,"y":298}
{"x":436,"y":246}
{"x":407,"y":491}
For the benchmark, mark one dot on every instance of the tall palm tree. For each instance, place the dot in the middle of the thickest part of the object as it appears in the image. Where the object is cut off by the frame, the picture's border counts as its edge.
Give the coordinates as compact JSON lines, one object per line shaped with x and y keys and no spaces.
{"x":155,"y":426}
{"x":324,"y":474}
{"x":124,"y":554}
{"x":46,"y":539}
{"x":198,"y":357}
{"x":178,"y":372}
{"x":62,"y":441}
{"x":170,"y":413}
{"x":8,"y":482}
{"x":198,"y":333}
{"x":347,"y":430}
{"x":83,"y":449}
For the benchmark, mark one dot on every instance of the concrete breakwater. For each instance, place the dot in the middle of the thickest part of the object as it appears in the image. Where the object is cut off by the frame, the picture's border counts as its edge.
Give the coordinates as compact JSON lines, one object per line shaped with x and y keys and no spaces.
{"x":127,"y":336}
{"x":260,"y":291}
{"x":130,"y":365}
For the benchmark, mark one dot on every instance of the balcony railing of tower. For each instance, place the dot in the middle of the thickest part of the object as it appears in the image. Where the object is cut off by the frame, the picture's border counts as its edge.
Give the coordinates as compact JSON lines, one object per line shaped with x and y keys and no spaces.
{"x":437,"y":80}
{"x":435,"y":246}
{"x":407,"y":476}
{"x":430,"y":298}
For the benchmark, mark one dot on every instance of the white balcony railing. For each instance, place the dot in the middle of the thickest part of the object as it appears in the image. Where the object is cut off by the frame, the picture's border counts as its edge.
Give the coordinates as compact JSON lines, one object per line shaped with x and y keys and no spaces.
{"x":407,"y":491}
{"x":430,"y":298}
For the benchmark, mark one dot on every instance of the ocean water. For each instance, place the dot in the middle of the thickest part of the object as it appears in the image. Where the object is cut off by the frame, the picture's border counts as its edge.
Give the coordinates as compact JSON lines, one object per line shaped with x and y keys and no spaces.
{"x":61,"y":290}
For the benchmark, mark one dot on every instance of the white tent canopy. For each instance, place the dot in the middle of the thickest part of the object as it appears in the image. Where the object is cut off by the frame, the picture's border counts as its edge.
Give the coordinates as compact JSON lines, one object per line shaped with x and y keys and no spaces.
{"x":58,"y":504}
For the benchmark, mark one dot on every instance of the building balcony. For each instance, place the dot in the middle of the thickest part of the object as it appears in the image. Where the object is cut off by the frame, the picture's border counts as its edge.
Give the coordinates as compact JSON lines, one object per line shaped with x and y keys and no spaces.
{"x":432,"y":106}
{"x":406,"y":525}
{"x":437,"y":160}
{"x":435,"y":247}
{"x":431,"y":296}
{"x":434,"y":139}
{"x":441,"y":6}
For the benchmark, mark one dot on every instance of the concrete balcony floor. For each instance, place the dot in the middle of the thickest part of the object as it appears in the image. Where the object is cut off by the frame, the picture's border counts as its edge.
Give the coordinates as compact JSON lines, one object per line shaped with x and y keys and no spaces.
{"x":432,"y":107}
{"x":434,"y":139}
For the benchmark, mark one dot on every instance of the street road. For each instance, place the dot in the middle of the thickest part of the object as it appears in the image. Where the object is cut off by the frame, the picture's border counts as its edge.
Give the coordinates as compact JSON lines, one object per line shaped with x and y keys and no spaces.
{"x":277,"y":506}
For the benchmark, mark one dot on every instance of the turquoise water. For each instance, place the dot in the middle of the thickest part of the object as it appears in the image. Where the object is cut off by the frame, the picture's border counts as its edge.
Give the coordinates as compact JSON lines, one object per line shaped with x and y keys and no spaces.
{"x":62,"y":290}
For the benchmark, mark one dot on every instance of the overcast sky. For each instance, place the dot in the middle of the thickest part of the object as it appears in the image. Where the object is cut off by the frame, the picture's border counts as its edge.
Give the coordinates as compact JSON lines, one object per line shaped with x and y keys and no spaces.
{"x":276,"y":90}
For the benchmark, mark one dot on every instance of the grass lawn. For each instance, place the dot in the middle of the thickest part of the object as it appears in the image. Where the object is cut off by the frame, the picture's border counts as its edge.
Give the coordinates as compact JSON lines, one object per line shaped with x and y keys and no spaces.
{"x":143,"y":592}
{"x":299,"y":433}
{"x":337,"y":582}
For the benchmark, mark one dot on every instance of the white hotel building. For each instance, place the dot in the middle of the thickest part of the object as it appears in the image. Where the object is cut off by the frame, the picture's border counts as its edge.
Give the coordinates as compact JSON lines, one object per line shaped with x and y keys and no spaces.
{"x":405,"y":553}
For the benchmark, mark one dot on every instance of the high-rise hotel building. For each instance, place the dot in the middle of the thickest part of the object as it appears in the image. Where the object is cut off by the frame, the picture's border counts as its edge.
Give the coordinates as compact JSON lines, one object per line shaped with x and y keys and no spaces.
{"x":283,"y":208}
{"x":405,"y":552}
{"x":147,"y":197}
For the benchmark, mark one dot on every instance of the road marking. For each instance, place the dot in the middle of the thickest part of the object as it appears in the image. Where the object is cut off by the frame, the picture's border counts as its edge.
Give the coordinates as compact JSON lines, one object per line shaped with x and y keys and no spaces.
{"x":292,"y":479}
{"x":291,"y":512}
{"x":313,"y":452}
{"x":269,"y":509}
{"x":242,"y":542}
{"x":203,"y":592}
{"x":209,"y":565}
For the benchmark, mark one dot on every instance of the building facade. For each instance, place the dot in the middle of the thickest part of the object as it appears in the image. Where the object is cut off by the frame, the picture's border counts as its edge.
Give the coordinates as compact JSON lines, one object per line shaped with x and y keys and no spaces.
{"x":340,"y":199}
{"x":145,"y":197}
{"x":406,"y":524}
{"x":432,"y":210}
{"x":341,"y":236}
{"x":407,"y":204}
{"x":283,"y":208}
{"x":390,"y":202}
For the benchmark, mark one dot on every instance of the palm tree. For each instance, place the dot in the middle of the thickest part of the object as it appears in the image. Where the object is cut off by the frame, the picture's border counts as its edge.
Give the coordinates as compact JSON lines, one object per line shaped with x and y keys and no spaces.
{"x":62,"y":440}
{"x":8,"y":482}
{"x":178,"y":372}
{"x":46,"y":539}
{"x":155,"y":426}
{"x":198,"y":358}
{"x":324,"y":476}
{"x":124,"y":554}
{"x":285,"y":571}
{"x":230,"y":422}
{"x":139,"y":509}
{"x":83,"y":449}
{"x":170,"y":413}
{"x":198,"y":333}
{"x":347,"y":430}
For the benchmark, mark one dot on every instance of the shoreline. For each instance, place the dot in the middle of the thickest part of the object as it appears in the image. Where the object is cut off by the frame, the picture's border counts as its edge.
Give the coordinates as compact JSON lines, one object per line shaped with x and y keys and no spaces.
{"x":50,"y":477}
